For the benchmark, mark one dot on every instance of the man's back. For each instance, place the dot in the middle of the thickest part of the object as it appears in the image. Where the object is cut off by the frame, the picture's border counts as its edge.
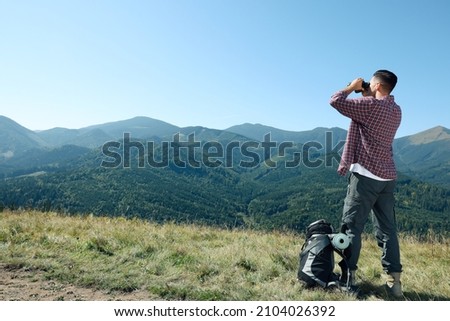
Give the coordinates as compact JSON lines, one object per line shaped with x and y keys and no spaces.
{"x":374,"y":124}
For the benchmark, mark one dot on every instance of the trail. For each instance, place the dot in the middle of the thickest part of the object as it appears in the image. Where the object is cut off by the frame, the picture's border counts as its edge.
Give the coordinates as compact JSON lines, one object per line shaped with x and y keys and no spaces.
{"x":31,"y":285}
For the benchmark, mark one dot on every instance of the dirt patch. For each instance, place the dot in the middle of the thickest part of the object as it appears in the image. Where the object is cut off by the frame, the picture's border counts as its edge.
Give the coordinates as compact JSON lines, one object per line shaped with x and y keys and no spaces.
{"x":24,"y":285}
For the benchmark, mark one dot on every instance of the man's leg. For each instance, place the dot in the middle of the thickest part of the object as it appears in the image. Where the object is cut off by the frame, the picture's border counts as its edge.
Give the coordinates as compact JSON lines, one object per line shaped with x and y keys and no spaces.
{"x":386,"y":234}
{"x":386,"y":229}
{"x":361,"y":195}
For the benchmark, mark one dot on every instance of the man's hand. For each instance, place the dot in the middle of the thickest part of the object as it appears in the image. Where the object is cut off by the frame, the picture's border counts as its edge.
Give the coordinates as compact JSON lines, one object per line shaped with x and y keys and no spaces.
{"x":356,"y":84}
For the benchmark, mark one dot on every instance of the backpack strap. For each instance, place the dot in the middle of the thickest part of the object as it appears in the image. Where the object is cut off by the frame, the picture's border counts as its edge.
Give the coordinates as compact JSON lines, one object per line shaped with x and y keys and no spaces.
{"x":344,"y":258}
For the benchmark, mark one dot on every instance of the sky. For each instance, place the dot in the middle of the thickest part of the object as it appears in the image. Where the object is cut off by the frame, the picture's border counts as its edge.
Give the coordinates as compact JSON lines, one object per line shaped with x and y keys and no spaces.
{"x":218,"y":63}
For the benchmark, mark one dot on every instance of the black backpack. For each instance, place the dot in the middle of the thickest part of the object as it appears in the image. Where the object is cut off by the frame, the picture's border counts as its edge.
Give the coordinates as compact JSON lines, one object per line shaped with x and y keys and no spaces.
{"x":316,"y":259}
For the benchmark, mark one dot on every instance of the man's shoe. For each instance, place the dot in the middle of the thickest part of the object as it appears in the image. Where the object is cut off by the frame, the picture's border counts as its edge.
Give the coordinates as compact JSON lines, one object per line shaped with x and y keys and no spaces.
{"x":393,"y":285}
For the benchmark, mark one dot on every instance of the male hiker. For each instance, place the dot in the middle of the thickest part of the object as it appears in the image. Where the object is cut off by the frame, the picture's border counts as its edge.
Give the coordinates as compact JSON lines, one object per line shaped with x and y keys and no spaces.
{"x":368,"y":156}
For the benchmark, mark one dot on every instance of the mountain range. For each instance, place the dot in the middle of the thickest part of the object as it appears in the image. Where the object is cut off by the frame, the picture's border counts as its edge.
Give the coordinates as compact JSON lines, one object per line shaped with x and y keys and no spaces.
{"x":425,"y":155}
{"x":20,"y":138}
{"x":240,"y":176}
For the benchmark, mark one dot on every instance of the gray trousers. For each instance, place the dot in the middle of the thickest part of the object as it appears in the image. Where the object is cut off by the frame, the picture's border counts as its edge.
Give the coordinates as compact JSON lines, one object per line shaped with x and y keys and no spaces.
{"x":364,"y":195}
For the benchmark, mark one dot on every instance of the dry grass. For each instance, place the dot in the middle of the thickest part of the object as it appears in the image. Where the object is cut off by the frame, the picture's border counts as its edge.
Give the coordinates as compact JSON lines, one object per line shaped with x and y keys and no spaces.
{"x":173,"y":262}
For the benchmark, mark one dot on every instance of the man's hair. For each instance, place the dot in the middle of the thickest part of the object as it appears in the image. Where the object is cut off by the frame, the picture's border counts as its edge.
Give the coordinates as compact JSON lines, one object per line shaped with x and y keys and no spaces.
{"x":387,"y":78}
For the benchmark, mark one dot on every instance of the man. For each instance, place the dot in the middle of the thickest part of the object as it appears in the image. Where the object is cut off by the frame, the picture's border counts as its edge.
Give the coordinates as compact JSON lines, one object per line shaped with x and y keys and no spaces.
{"x":368,"y":156}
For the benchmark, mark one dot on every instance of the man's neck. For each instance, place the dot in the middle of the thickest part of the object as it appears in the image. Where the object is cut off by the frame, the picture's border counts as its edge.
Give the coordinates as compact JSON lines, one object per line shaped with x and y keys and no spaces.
{"x":379,"y":95}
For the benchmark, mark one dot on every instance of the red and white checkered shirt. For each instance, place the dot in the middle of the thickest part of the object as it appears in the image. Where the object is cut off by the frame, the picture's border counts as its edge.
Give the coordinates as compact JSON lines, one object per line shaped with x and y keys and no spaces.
{"x":371,"y":133}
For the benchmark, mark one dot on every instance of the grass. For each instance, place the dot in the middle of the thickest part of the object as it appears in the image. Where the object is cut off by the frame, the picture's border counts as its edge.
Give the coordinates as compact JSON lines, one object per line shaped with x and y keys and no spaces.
{"x":189,"y":262}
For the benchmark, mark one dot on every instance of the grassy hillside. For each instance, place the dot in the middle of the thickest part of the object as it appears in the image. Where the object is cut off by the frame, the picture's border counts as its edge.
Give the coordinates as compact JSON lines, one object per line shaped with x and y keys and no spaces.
{"x":189,"y":262}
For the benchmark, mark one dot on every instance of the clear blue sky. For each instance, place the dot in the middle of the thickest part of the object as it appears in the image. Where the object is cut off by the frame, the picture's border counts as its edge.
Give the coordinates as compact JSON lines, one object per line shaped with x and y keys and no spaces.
{"x":218,"y":63}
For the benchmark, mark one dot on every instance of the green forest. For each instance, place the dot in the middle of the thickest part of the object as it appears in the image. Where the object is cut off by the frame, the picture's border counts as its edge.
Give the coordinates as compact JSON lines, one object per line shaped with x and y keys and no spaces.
{"x":262,"y":197}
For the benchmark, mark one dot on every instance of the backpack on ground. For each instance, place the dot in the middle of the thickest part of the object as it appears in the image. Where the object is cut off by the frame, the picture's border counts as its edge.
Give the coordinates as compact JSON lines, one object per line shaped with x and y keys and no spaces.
{"x":316,"y":259}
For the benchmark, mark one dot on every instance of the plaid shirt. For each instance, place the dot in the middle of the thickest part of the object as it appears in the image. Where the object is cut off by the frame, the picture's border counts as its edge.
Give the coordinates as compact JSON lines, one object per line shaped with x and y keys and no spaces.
{"x":371,"y":133}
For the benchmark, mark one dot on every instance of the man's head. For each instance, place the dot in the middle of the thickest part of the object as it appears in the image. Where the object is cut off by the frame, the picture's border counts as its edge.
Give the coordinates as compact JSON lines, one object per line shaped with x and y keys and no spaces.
{"x":383,"y":81}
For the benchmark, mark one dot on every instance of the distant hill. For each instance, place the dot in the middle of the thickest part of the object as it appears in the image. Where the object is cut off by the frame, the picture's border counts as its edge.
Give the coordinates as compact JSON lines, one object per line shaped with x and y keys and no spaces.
{"x":96,"y":135}
{"x":16,"y":139}
{"x":57,"y":137}
{"x":139,"y":127}
{"x":258,"y":131}
{"x":425,"y":155}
